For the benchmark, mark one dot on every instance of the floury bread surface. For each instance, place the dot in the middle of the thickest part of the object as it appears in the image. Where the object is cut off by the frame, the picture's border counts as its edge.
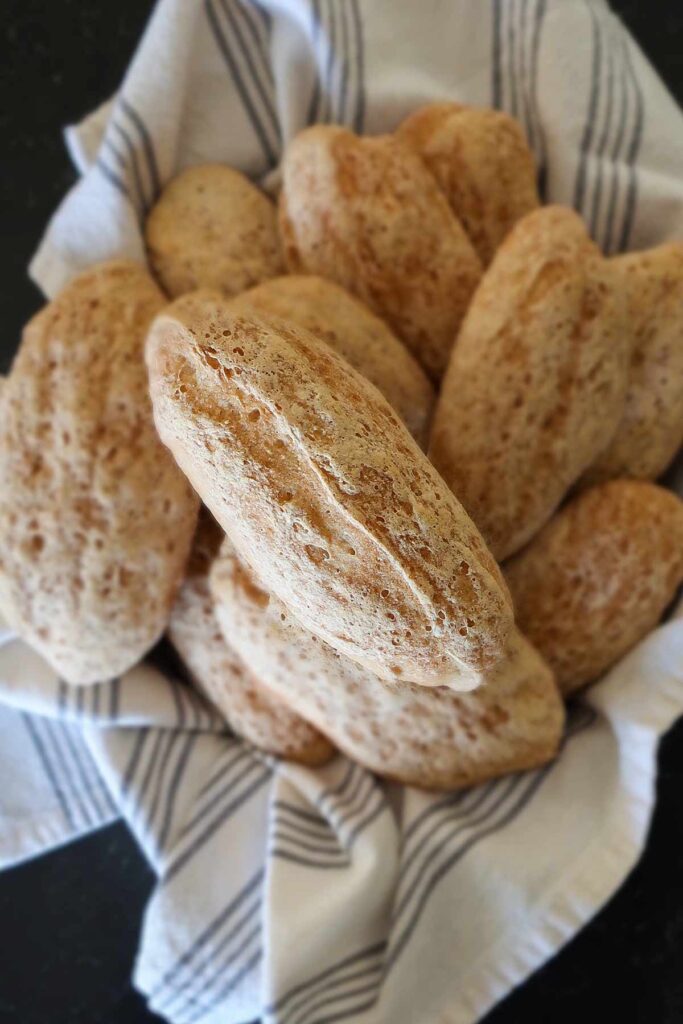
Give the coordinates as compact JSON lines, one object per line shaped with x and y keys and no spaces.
{"x":599,"y":576}
{"x":96,"y":519}
{"x":212,"y":228}
{"x":428,"y":737}
{"x":326,"y":495}
{"x":536,"y":384}
{"x":482,"y":162}
{"x":250,"y":709}
{"x":367,"y":213}
{"x":351,"y":329}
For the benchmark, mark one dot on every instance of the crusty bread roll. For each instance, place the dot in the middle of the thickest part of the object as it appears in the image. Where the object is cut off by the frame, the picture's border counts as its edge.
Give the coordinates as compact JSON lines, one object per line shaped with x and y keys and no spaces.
{"x":536,"y":383}
{"x":651,"y":429}
{"x":96,"y":520}
{"x":326,"y":495}
{"x":368,"y":214}
{"x":598,"y":577}
{"x":365,"y":341}
{"x":482,"y":162}
{"x":428,"y":737}
{"x":249,"y":708}
{"x":212,"y":228}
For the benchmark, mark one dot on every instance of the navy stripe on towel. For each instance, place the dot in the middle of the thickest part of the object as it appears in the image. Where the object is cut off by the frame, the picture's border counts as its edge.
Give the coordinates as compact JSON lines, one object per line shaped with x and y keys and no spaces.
{"x":262,"y":129}
{"x":147,"y":143}
{"x":48,"y":768}
{"x":295,"y":997}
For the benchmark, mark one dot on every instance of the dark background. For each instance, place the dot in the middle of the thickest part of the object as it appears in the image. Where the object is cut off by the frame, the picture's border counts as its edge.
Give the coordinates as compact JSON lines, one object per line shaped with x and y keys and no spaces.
{"x":69,"y":921}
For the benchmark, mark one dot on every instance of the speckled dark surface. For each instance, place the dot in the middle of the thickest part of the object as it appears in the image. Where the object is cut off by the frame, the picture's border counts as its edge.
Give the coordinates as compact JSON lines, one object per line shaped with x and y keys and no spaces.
{"x":69,"y":921}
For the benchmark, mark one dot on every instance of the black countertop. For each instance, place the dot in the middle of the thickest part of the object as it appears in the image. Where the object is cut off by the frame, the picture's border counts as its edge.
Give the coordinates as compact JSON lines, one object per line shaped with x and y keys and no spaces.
{"x":69,"y":921}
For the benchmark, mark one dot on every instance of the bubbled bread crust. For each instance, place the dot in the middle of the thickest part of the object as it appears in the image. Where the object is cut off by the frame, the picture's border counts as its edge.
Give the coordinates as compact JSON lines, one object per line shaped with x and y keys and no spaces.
{"x":351,"y":329}
{"x":428,"y":737}
{"x":367,"y":214}
{"x":482,"y":162}
{"x":598,"y":577}
{"x":536,"y":383}
{"x":650,"y":432}
{"x":96,"y":519}
{"x":249,"y":708}
{"x":326,"y":495}
{"x":212,"y":228}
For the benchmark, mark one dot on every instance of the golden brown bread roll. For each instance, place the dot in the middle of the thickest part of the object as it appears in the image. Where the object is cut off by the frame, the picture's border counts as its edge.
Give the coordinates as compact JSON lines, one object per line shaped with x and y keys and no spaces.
{"x":212,"y":228}
{"x":536,"y":383}
{"x":651,"y":428}
{"x":96,"y":520}
{"x":598,"y":577}
{"x":326,"y":495}
{"x":368,"y":214}
{"x":365,"y":341}
{"x":429,"y":737}
{"x":482,"y":162}
{"x":219,"y":672}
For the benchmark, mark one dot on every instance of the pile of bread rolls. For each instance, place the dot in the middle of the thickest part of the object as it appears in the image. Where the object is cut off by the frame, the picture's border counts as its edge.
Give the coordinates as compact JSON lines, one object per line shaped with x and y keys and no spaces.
{"x":303,"y":440}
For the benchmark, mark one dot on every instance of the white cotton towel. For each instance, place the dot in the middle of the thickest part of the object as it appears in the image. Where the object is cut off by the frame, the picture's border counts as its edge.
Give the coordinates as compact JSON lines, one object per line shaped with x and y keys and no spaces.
{"x":301,"y":896}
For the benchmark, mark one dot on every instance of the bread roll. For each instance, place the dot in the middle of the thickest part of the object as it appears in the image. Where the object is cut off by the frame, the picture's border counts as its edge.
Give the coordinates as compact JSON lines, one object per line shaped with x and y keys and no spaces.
{"x":96,"y":519}
{"x":598,"y":577}
{"x":347,"y":326}
{"x":368,"y":214}
{"x":212,"y":228}
{"x":650,"y":432}
{"x":428,"y":737}
{"x":249,"y":708}
{"x":536,"y":383}
{"x":483,"y":164}
{"x":326,"y":495}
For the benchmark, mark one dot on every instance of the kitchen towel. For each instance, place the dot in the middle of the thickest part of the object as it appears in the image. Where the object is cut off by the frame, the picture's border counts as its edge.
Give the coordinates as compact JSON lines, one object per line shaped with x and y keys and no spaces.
{"x":303,"y":896}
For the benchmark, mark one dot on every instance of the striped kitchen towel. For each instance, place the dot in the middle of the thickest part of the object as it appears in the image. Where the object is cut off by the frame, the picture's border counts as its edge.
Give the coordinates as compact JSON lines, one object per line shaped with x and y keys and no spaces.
{"x":304,"y":896}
